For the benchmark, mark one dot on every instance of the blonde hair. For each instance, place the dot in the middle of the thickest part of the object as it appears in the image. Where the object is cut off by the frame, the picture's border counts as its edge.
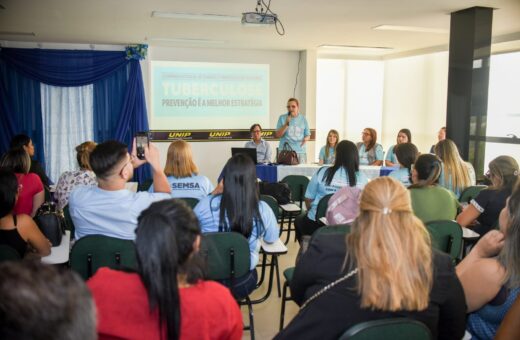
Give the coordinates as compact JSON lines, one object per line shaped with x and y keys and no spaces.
{"x":179,"y":162}
{"x":391,"y":248}
{"x":327,"y":146}
{"x":454,"y":167}
{"x":83,"y":154}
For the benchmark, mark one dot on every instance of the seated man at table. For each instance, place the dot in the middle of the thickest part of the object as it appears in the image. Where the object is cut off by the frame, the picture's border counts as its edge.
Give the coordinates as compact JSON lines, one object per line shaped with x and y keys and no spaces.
{"x":110,"y":209}
{"x":263,"y":149}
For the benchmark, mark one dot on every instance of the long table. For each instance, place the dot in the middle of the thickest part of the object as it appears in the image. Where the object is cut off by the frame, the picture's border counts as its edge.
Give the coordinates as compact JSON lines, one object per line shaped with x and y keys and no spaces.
{"x":273,"y":173}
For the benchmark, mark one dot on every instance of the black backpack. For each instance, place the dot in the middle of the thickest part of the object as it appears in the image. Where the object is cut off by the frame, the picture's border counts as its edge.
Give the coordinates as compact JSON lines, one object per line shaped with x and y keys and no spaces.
{"x":51,"y":222}
{"x":280,"y":191}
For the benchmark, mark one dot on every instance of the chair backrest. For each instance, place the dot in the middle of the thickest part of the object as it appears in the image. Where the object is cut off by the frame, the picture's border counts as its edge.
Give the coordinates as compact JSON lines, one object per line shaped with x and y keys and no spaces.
{"x":91,"y":252}
{"x":69,"y":225}
{"x":395,"y":329}
{"x":273,"y":204}
{"x":8,"y":253}
{"x":333,"y":229}
{"x":298,"y":185}
{"x":446,"y":236}
{"x":470,"y":193}
{"x":190,"y":201}
{"x":322,"y":206}
{"x":145,"y":185}
{"x":227,"y":255}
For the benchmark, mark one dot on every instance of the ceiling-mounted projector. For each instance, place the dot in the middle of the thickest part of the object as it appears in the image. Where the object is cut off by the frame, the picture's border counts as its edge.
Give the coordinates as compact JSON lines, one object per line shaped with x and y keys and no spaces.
{"x":259,"y":18}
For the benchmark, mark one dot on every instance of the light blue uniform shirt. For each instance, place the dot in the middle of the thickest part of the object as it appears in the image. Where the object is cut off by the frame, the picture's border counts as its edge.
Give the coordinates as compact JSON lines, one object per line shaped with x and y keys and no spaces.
{"x":332,"y":155}
{"x":297,"y":130}
{"x":317,"y":187}
{"x":390,"y":155}
{"x":447,"y":183}
{"x":364,"y":157}
{"x":110,"y":213}
{"x":402,"y":175}
{"x":263,"y":151}
{"x":195,"y":186}
{"x":208,"y":213}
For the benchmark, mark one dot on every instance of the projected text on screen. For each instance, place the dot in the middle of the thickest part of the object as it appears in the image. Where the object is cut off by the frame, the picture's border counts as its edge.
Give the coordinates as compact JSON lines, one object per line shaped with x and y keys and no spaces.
{"x":212,"y":90}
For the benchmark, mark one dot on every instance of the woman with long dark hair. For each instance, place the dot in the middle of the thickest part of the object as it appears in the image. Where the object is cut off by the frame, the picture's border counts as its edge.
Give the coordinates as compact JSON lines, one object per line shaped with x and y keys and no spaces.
{"x":327,"y":180}
{"x":403,"y":136}
{"x":239,"y":209}
{"x":430,"y":201}
{"x":406,"y":154}
{"x":166,"y":298}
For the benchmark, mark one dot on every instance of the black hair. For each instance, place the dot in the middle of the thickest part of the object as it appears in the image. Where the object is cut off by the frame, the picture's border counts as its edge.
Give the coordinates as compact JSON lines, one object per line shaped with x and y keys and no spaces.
{"x":106,"y":156}
{"x":239,"y":204}
{"x":165,"y":234}
{"x":8,"y":191}
{"x":347,"y":157}
{"x":253,"y":127}
{"x":406,"y":154}
{"x":19,"y":141}
{"x":407,"y":133}
{"x":16,"y":160}
{"x":428,"y":167}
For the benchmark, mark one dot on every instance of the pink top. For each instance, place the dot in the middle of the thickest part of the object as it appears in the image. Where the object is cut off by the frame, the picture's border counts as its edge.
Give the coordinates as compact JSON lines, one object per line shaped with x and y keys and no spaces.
{"x":28,"y":185}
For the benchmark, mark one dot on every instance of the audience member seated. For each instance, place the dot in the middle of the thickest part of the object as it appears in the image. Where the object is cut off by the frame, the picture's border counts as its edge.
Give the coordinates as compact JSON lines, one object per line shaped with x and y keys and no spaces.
{"x":328,"y":151}
{"x":70,"y":179}
{"x":328,"y":180}
{"x":24,"y":142}
{"x":403,"y":136}
{"x":44,"y":302}
{"x":441,"y":135}
{"x":482,"y":213}
{"x":31,"y":194}
{"x":239,"y":209}
{"x":509,"y":329}
{"x":110,"y":209}
{"x":263,"y":148}
{"x":406,"y":154}
{"x":370,"y":152}
{"x":456,"y":174}
{"x":166,"y":298}
{"x":385,"y":268}
{"x":183,"y":174}
{"x":490,"y":274}
{"x":18,"y":231}
{"x":430,"y":201}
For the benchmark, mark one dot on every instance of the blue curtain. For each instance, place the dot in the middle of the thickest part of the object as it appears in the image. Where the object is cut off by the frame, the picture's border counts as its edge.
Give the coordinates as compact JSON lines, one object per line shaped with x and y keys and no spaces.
{"x":73,"y":68}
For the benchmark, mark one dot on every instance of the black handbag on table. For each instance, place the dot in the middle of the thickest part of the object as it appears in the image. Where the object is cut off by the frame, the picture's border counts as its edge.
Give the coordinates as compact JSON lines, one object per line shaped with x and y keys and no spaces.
{"x":51,"y":222}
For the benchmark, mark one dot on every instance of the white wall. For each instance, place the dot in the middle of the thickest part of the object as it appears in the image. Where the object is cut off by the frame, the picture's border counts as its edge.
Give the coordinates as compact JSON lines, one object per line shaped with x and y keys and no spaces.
{"x":211,"y":156}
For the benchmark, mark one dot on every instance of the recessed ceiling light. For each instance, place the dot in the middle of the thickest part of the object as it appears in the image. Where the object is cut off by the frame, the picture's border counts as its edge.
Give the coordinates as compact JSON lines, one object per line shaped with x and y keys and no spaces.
{"x":27,"y":34}
{"x":186,"y":40}
{"x":353,"y":48}
{"x":196,"y":16}
{"x":411,"y":29}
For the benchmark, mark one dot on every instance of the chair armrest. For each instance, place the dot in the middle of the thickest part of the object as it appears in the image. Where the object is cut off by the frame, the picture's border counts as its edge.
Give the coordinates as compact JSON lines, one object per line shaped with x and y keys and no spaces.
{"x":275,"y":248}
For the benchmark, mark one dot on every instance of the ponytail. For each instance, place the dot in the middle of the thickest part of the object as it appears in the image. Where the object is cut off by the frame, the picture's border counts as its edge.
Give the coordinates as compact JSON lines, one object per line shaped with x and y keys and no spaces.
{"x":429,"y":168}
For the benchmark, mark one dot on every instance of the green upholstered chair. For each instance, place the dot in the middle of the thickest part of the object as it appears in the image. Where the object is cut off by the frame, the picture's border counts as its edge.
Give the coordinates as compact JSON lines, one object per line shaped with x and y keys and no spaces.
{"x":298,"y":185}
{"x":395,"y":329}
{"x":322,"y":206}
{"x":470,"y":193}
{"x":8,"y":253}
{"x":190,"y":201}
{"x":446,"y":236}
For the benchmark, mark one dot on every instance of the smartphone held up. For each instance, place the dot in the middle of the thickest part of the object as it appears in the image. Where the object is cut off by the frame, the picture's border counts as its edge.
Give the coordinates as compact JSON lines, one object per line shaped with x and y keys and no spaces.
{"x":142,"y":140}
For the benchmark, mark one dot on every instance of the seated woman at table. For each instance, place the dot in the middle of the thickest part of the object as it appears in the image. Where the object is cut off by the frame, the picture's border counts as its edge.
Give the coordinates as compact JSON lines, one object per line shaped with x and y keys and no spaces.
{"x":384,"y":268}
{"x":403,"y":136}
{"x":183,"y":173}
{"x":166,"y":297}
{"x":18,"y":230}
{"x":327,"y":180}
{"x":370,"y":152}
{"x":490,"y":274}
{"x":482,"y":213}
{"x":456,"y":174}
{"x":31,"y":194}
{"x":406,"y":155}
{"x":263,"y":148}
{"x":328,"y":151}
{"x":71,"y":179}
{"x":239,"y":209}
{"x":430,"y":201}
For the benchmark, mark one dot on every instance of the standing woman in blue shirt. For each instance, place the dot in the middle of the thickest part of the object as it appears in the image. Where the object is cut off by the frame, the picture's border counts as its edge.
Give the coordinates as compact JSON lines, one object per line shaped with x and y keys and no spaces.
{"x":328,"y":151}
{"x":328,"y":180}
{"x":370,"y":153}
{"x":403,"y":136}
{"x":239,"y":209}
{"x":292,"y":128}
{"x":183,"y":174}
{"x":263,"y":149}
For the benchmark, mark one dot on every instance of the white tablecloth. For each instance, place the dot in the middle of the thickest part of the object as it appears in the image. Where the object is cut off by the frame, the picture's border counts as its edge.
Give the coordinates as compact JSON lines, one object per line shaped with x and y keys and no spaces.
{"x":370,"y":171}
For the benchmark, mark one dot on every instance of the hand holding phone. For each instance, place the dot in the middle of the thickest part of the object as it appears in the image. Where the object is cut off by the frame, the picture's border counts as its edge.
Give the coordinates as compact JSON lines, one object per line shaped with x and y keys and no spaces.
{"x":142,"y":140}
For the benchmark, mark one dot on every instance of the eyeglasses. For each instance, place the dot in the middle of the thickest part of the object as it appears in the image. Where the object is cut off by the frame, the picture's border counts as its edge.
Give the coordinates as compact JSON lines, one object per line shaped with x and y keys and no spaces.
{"x":365,"y":133}
{"x":291,"y":106}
